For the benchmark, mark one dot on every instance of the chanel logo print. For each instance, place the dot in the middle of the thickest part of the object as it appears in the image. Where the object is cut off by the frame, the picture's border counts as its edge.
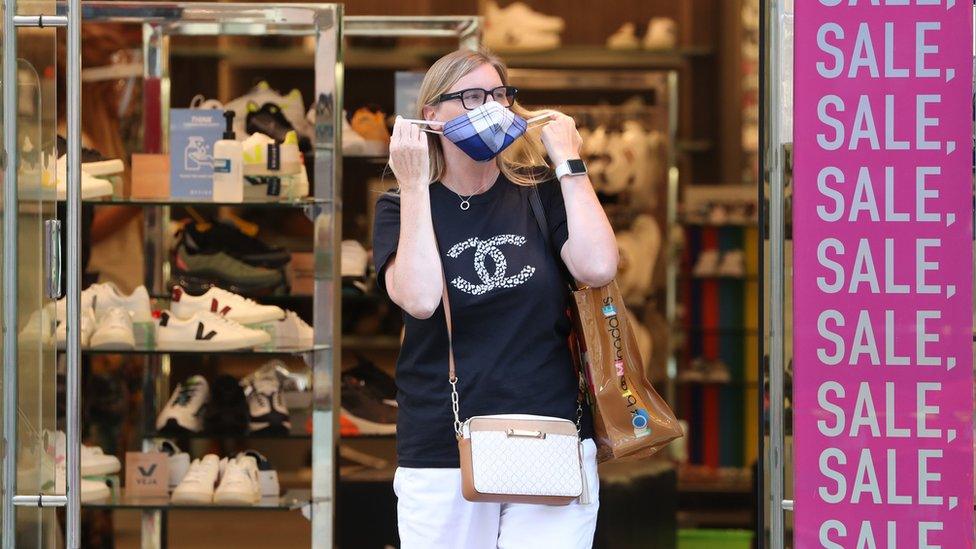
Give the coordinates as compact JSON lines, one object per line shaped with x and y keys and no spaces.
{"x":489,"y":248}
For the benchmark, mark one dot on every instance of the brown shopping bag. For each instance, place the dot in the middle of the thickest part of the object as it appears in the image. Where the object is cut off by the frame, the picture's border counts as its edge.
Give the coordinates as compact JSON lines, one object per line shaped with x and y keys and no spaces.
{"x":630,"y":419}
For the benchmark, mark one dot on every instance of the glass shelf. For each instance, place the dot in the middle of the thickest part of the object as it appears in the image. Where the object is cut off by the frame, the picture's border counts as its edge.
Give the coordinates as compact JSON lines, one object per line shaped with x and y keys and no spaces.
{"x":259,"y":351}
{"x":292,"y":499}
{"x":717,"y":330}
{"x":250,"y":203}
{"x":251,"y":436}
{"x":709,"y":225}
{"x":368,"y":437}
{"x":406,"y":57}
{"x":746,"y":278}
{"x":283,"y":299}
{"x":371,"y":343}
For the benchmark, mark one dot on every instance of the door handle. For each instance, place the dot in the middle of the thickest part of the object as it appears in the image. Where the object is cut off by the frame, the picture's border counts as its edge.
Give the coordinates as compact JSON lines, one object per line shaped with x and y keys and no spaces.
{"x":40,"y":500}
{"x":52,"y":258}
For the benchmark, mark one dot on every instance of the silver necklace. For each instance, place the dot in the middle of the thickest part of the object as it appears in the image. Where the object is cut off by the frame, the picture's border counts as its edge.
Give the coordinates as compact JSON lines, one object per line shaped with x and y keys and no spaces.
{"x":466,"y":201}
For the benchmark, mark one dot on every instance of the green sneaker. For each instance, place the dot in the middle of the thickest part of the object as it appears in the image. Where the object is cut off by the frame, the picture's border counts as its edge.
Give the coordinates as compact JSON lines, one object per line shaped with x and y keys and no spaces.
{"x":196,"y":271}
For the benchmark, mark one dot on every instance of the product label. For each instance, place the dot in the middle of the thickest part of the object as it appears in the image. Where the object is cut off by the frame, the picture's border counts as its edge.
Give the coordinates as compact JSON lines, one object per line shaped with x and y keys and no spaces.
{"x":274,"y":156}
{"x":883,"y":274}
{"x":147,"y":474}
{"x":221,"y":165}
{"x":192,"y":134}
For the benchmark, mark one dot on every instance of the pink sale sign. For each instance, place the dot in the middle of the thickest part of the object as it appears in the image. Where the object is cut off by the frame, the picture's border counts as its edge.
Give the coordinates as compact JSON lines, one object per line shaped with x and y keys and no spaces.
{"x":883,"y":274}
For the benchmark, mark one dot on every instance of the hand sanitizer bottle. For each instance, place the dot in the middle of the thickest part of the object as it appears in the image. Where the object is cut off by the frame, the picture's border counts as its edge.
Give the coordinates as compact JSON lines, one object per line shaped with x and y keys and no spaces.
{"x":228,"y":158}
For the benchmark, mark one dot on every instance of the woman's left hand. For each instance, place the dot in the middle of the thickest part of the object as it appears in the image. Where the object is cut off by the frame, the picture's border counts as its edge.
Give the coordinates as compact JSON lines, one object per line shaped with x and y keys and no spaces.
{"x":561,"y":139}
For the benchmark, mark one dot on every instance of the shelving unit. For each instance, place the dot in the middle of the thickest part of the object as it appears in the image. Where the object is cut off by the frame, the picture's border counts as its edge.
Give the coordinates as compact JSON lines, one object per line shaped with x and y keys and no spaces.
{"x":716,"y":327}
{"x":161,"y":25}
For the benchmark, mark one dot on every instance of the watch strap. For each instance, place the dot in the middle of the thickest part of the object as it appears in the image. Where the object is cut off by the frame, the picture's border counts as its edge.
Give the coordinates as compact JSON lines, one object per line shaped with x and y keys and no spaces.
{"x":565,"y":169}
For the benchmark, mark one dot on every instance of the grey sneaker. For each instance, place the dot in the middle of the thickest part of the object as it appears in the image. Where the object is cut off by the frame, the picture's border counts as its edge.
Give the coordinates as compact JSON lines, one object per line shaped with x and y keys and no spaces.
{"x":202,"y":270}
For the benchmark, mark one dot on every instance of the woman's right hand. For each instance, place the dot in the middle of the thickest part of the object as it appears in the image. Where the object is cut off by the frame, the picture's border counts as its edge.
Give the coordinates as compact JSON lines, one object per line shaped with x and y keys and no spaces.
{"x":409,"y":159}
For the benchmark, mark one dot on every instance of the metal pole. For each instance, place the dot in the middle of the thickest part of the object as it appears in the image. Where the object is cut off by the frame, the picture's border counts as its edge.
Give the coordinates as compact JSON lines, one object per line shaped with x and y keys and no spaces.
{"x":73,"y":319}
{"x":671,"y":289}
{"x":764,"y":81}
{"x":777,"y":294}
{"x":10,"y":211}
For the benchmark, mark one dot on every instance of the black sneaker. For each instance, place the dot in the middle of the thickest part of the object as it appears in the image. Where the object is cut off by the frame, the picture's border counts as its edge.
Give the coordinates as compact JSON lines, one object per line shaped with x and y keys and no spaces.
{"x":377,"y":381}
{"x":270,"y":121}
{"x":266,"y":407}
{"x":226,"y":237}
{"x":364,"y":412}
{"x":227,"y":411}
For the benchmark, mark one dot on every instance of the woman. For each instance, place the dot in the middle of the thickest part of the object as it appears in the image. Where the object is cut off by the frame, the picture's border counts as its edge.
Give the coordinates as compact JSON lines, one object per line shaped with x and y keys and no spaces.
{"x":470,"y":223}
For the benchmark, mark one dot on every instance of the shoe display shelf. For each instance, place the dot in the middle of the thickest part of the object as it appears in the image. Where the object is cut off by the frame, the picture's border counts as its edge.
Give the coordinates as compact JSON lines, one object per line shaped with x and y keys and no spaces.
{"x":323,"y":28}
{"x":165,"y":23}
{"x":719,"y":322}
{"x":256,"y":351}
{"x":289,"y":501}
{"x":305,"y":202}
{"x":420,"y":57}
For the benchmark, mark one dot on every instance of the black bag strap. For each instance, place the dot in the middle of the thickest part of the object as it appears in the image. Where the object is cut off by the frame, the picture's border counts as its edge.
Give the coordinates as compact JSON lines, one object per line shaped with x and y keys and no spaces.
{"x":535,"y":200}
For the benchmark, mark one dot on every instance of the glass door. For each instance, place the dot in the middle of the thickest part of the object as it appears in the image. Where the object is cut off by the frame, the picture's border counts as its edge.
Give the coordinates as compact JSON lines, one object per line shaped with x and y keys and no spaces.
{"x":31,"y":283}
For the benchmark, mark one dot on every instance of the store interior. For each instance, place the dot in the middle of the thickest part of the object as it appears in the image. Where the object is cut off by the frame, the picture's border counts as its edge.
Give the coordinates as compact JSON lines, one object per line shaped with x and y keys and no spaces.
{"x":202,"y":341}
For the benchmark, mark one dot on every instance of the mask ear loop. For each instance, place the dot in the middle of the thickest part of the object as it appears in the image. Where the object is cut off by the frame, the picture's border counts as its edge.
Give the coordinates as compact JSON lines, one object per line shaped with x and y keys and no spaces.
{"x":541,"y":118}
{"x":426,"y":123}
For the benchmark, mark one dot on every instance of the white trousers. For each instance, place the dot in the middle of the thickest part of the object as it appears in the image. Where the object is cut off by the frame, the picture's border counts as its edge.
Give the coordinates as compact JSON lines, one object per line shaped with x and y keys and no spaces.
{"x":432,"y":514}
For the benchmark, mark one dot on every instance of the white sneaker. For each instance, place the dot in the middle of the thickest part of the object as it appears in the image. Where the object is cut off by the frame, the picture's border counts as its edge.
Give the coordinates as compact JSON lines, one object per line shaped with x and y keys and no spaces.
{"x":198,"y":484}
{"x":179,"y":461}
{"x":662,"y":34}
{"x":107,"y":295}
{"x":113,"y":331}
{"x":91,"y":186}
{"x":292,"y":331}
{"x":94,"y":490}
{"x":733,"y":264}
{"x":39,"y":329}
{"x":61,"y":327}
{"x":257,"y":158}
{"x":239,"y":483}
{"x":521,"y":15}
{"x":505,"y":38}
{"x":206,"y":331}
{"x":201,"y":102}
{"x":292,"y":107}
{"x":265,"y":404}
{"x":355,"y":259}
{"x":267,"y":476}
{"x":707,"y":264}
{"x":94,"y":462}
{"x":260,"y":94}
{"x":620,"y":171}
{"x":624,"y":39}
{"x":184,"y":410}
{"x":718,"y":215}
{"x":230,"y":305}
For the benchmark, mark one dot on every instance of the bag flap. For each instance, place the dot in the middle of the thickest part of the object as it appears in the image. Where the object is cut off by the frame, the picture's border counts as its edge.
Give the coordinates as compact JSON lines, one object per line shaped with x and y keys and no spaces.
{"x":521,"y":423}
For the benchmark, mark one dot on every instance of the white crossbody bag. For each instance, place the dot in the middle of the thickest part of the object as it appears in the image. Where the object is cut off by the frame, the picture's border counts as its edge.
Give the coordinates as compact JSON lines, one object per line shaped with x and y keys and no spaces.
{"x":517,"y":458}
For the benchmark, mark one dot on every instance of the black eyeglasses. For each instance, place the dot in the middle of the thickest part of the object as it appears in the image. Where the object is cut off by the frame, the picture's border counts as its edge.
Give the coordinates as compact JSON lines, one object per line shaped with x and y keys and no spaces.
{"x":475,"y":97}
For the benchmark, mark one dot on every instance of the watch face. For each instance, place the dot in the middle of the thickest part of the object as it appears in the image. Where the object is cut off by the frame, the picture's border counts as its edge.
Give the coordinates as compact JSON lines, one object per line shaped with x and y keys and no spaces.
{"x":576,"y":166}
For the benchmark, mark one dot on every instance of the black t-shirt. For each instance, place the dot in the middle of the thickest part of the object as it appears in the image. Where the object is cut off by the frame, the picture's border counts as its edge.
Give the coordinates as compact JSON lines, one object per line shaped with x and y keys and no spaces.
{"x":508,"y":305}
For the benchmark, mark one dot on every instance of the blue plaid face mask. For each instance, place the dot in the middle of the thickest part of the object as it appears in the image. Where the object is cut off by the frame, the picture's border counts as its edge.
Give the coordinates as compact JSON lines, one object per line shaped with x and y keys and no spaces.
{"x":484,"y":132}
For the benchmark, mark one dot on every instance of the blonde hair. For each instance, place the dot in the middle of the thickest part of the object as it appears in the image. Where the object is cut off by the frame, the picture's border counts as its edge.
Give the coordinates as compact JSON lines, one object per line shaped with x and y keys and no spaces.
{"x":522,"y":162}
